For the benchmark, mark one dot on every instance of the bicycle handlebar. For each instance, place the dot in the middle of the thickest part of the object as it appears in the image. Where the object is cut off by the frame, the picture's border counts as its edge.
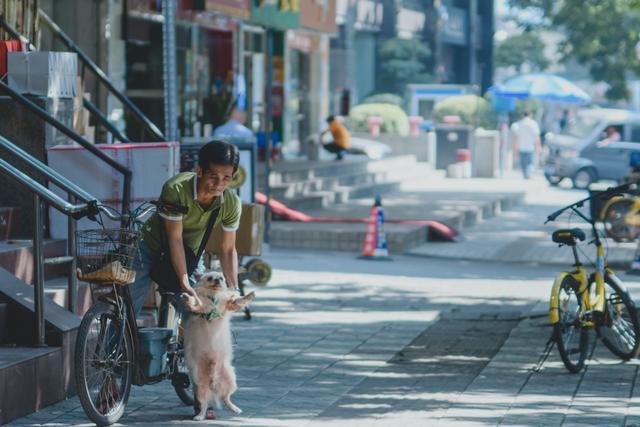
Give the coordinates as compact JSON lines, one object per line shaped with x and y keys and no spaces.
{"x":94,"y":208}
{"x":608,"y":192}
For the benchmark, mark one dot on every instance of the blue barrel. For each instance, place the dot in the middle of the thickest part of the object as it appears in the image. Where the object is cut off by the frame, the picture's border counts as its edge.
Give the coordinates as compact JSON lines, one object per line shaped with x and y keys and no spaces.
{"x":153,"y":349}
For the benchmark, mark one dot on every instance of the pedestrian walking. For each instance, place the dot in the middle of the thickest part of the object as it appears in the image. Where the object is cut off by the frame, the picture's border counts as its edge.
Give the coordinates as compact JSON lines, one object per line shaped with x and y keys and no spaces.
{"x":525,"y":134}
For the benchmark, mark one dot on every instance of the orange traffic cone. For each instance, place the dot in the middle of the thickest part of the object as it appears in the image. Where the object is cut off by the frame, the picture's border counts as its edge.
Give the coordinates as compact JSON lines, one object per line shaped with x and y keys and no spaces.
{"x":374,"y":246}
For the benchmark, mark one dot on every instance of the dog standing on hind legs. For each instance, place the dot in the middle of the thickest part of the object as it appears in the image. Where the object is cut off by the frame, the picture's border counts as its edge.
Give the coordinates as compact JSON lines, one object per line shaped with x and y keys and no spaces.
{"x":208,"y":347}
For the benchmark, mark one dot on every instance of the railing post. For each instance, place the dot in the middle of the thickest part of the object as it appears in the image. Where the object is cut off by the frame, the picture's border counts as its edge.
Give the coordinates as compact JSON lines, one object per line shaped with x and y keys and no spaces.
{"x":38,"y":271}
{"x":72,"y":288}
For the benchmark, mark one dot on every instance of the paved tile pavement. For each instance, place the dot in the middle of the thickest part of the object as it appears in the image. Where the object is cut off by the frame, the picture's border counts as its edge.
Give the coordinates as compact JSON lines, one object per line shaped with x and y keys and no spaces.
{"x":519,"y":235}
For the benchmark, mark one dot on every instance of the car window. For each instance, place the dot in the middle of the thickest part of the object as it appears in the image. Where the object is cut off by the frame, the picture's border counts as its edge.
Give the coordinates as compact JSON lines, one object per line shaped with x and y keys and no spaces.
{"x":581,"y":126}
{"x":634,"y":133}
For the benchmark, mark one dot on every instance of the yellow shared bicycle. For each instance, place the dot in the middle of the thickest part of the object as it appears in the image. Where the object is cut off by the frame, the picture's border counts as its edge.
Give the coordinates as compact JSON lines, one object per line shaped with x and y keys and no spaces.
{"x":583,"y":300}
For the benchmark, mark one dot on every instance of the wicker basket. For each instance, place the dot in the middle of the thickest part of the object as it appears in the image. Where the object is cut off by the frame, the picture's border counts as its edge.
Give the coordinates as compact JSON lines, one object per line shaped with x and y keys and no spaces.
{"x":106,"y":256}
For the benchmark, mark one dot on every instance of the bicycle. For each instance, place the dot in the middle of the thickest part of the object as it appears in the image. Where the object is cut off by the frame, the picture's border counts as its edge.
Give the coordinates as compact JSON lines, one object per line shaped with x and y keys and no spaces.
{"x":621,"y":217}
{"x":574,"y":311}
{"x":108,"y":353}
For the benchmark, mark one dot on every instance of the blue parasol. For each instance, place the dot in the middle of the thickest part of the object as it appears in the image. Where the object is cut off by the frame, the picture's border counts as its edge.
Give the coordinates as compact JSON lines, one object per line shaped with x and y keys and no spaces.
{"x":543,"y":86}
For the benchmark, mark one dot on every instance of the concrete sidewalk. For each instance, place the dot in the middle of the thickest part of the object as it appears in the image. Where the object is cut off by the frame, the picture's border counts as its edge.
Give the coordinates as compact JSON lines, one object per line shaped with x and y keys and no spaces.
{"x":441,"y":344}
{"x":519,"y":235}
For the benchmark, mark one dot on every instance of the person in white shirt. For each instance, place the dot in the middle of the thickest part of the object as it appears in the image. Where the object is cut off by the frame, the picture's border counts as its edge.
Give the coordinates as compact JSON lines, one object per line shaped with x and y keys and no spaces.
{"x":526,"y":142}
{"x":234,"y":127}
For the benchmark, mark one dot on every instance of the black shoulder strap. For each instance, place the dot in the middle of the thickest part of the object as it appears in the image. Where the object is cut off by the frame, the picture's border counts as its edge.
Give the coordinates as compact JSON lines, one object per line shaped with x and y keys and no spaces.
{"x":207,"y":233}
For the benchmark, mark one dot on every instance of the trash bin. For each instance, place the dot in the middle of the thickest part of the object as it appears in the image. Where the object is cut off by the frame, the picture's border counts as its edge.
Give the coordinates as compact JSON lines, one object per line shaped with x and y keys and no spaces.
{"x":485,"y":156}
{"x":450,"y":138}
{"x":153,"y":344}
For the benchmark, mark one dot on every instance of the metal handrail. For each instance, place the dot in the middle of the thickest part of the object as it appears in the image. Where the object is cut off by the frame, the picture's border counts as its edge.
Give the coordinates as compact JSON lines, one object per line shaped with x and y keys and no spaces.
{"x":87,"y":104}
{"x":126,"y":192}
{"x":73,"y":212}
{"x":51,"y":174}
{"x":14,"y":33}
{"x":57,"y":31}
{"x":49,"y":196}
{"x":105,"y":122}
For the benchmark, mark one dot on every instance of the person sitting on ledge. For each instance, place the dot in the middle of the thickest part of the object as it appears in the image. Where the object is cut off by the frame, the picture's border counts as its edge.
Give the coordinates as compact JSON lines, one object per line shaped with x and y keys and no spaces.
{"x":340,"y":139}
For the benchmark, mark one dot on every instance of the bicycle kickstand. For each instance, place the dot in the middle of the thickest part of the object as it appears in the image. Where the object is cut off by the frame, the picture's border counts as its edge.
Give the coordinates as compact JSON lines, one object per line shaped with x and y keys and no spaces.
{"x":545,"y":354}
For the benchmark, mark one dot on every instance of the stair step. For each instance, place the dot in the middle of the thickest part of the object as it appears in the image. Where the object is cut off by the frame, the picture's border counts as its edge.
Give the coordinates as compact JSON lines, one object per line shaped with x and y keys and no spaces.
{"x":56,"y":290}
{"x":296,"y":171}
{"x":343,"y":236}
{"x":32,"y":378}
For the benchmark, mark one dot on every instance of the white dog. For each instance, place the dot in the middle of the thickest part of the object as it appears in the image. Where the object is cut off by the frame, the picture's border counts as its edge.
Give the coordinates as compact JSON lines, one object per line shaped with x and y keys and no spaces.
{"x":207,"y":341}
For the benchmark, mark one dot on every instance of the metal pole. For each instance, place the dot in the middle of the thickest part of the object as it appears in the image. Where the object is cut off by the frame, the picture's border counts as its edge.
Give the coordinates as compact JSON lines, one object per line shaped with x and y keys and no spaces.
{"x":104,"y":121}
{"x":268,"y":143}
{"x":72,"y":284}
{"x":38,"y":271}
{"x":169,"y":69}
{"x":71,"y":134}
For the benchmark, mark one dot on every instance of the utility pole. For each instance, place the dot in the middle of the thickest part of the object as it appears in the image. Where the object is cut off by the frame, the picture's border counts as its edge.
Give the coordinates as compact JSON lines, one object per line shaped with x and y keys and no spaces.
{"x":169,"y":69}
{"x":268,"y":132}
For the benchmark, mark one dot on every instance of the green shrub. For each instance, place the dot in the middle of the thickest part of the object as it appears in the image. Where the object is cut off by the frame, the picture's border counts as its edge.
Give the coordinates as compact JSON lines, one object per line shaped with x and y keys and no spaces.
{"x":394,"y":119}
{"x":384,"y":98}
{"x":472,"y":110}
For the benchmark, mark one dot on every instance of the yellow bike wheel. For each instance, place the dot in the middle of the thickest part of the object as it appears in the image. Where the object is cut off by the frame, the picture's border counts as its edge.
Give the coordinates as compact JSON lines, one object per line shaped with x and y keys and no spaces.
{"x":619,"y":328}
{"x":615,"y":219}
{"x":258,"y":272}
{"x":239,"y":178}
{"x":569,"y":333}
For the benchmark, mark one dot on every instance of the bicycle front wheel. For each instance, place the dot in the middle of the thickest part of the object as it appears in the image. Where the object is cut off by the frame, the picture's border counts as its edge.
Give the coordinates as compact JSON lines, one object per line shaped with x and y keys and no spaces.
{"x":104,"y":364}
{"x":571,"y":337}
{"x":619,"y":328}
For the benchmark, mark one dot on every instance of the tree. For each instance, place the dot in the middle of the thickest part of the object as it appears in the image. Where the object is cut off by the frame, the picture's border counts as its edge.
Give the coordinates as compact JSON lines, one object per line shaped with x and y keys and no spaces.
{"x":603,"y":35}
{"x":402,"y":62}
{"x":525,"y":48}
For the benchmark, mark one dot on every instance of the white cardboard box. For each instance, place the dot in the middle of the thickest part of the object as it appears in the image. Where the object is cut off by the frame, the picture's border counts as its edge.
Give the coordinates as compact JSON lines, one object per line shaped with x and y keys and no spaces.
{"x":150,"y":163}
{"x":50,"y":74}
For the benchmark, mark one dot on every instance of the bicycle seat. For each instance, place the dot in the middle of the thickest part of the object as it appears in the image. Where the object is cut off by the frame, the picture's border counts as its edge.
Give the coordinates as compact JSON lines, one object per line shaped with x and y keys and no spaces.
{"x":568,"y":236}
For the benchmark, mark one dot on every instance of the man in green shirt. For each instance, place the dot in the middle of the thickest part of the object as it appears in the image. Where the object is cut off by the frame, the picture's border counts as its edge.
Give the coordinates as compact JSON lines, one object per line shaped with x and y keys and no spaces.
{"x":200,"y":192}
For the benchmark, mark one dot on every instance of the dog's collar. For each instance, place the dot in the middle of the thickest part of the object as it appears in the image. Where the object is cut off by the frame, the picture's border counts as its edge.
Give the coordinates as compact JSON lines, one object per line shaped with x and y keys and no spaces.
{"x":213,"y":314}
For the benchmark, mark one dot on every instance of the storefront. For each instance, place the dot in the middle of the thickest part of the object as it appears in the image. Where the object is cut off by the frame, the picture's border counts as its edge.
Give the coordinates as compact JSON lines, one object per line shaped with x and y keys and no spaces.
{"x":354,"y":51}
{"x":276,"y":17}
{"x":307,"y":69}
{"x":207,"y":55}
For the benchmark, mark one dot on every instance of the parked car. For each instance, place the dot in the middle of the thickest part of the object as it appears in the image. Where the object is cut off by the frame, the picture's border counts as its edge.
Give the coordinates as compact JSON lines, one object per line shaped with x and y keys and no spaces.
{"x":578,"y":152}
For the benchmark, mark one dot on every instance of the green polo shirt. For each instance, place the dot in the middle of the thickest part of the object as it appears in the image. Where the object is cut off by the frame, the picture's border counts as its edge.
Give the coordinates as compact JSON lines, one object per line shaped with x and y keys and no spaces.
{"x":181,"y":190}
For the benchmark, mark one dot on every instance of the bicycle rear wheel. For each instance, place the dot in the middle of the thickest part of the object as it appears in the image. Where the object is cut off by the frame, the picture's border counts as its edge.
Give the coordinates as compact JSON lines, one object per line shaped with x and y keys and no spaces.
{"x":103,"y":364}
{"x":615,"y":224}
{"x":571,"y":337}
{"x":619,"y":328}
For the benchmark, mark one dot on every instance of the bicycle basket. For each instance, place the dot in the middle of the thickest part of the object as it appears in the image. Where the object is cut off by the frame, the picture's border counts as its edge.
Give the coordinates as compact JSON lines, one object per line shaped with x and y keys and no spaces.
{"x":106,"y":256}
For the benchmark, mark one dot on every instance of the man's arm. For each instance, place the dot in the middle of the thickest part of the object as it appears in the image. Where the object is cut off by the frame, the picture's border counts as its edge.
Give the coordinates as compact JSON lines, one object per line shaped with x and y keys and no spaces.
{"x":176,"y":249}
{"x":229,"y":258}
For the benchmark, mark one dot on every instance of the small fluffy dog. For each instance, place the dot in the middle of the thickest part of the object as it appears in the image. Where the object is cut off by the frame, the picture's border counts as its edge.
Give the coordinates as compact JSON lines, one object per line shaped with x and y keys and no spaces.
{"x":207,"y":341}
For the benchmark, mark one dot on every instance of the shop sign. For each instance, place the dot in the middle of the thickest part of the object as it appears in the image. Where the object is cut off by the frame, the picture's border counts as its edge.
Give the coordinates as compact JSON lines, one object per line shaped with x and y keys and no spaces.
{"x":278,"y":14}
{"x":319,"y":15}
{"x":455,"y":26}
{"x":410,"y":22}
{"x":236,"y":8}
{"x":298,"y":40}
{"x":368,"y":14}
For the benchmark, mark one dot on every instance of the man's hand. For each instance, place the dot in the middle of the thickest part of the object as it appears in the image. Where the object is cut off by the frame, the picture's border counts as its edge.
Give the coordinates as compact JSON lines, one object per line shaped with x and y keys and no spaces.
{"x":192,"y":293}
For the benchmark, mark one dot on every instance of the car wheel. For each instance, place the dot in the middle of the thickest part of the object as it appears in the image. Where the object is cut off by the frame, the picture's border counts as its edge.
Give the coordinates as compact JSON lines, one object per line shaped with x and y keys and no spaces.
{"x":583,"y":178}
{"x":553,"y":180}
